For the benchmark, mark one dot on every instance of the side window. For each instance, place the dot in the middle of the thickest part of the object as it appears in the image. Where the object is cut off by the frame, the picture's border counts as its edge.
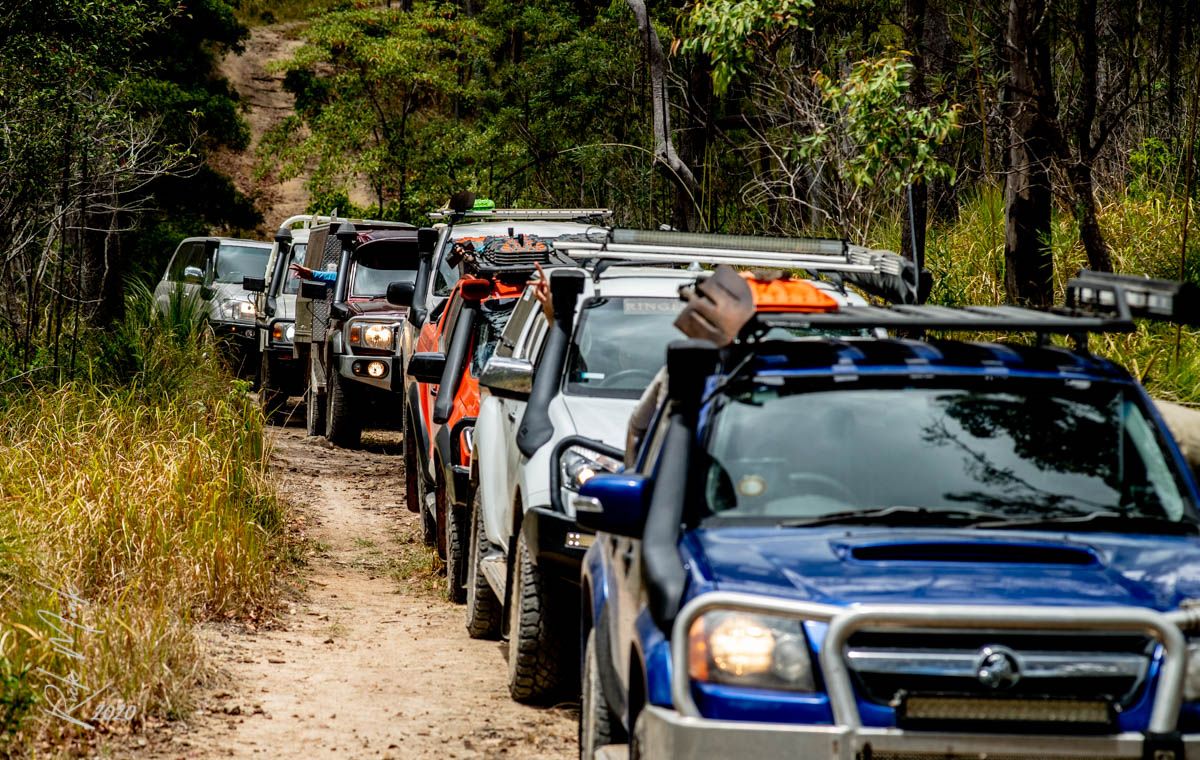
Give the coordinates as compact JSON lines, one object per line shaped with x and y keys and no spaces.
{"x":194,"y":257}
{"x":449,"y":321}
{"x":178,"y":262}
{"x":537,"y":340}
{"x":512,"y":341}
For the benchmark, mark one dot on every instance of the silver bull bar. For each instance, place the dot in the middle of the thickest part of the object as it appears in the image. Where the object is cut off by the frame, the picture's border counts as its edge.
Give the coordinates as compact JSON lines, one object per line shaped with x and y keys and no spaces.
{"x":843,"y":622}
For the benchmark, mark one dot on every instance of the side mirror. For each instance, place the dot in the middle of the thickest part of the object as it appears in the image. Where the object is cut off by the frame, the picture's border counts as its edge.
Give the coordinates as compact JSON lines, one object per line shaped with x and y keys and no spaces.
{"x":427,"y":366}
{"x":401,"y":293}
{"x":615,"y":504}
{"x":254,"y":284}
{"x":507,"y":378}
{"x":193,"y":275}
{"x":313,"y":290}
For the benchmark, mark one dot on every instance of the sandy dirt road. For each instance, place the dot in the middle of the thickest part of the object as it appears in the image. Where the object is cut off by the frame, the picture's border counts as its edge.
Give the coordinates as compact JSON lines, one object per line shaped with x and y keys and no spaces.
{"x":367,"y":659}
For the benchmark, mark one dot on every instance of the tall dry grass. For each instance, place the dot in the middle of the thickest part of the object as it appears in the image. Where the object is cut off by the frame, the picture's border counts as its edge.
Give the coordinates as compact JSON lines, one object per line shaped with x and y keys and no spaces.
{"x":966,"y":258}
{"x":133,"y":503}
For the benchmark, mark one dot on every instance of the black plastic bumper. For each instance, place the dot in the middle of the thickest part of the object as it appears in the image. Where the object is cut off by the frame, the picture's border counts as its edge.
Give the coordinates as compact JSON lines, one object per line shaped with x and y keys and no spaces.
{"x":558,"y":543}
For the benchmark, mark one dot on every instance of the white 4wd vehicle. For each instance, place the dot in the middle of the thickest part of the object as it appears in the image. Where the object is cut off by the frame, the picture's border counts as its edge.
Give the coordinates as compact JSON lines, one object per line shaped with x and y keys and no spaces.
{"x":536,"y":449}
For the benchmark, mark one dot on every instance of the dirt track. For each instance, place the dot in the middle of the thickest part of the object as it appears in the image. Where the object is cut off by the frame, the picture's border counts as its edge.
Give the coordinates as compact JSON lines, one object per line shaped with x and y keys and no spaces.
{"x":368,"y":659}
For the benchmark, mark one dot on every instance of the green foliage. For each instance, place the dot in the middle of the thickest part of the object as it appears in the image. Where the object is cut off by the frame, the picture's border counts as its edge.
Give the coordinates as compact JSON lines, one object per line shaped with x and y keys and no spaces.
{"x":731,"y":32}
{"x":892,"y":143}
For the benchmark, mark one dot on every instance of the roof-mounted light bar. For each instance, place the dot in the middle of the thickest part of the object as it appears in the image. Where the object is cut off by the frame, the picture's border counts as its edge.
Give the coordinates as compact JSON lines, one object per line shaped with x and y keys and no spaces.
{"x":1162,"y":300}
{"x":523,"y":214}
{"x":945,"y":318}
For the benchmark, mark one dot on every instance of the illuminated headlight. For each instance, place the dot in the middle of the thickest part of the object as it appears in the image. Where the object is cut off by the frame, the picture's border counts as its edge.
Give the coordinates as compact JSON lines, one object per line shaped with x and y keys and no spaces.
{"x":283,"y":332}
{"x":1191,"y":684}
{"x":237,"y":310}
{"x":372,"y":336}
{"x":578,"y":464}
{"x":744,"y":649}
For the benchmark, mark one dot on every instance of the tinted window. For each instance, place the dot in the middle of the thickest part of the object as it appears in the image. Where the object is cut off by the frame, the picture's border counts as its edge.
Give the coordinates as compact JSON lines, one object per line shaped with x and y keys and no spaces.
{"x":237,"y":261}
{"x":620,"y":345}
{"x":489,"y":326}
{"x":1020,"y":449}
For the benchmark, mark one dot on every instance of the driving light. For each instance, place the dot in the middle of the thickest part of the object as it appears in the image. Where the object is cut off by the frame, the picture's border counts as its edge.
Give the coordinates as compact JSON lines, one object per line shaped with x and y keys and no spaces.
{"x":578,"y":465}
{"x":743,"y":649}
{"x":238,"y":310}
{"x":376,"y":369}
{"x":1023,"y":710}
{"x":283,"y":332}
{"x":369,"y":335}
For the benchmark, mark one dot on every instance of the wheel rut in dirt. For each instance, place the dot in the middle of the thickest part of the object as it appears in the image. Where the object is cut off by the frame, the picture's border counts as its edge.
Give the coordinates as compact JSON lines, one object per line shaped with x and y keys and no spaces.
{"x":367,"y":658}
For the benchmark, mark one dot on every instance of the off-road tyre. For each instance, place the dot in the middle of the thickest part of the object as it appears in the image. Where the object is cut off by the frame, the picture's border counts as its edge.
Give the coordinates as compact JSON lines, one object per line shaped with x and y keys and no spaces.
{"x":428,"y":528}
{"x":484,"y":613}
{"x":343,"y":421}
{"x":598,"y":726}
{"x":271,"y":398}
{"x":412,"y":470}
{"x":314,"y":411}
{"x":534,"y":644}
{"x":456,"y":540}
{"x":637,"y":739}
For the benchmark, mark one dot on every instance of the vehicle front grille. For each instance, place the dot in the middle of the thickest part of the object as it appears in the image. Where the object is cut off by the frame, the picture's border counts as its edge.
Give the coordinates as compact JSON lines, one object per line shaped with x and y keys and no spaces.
{"x":890,"y":667}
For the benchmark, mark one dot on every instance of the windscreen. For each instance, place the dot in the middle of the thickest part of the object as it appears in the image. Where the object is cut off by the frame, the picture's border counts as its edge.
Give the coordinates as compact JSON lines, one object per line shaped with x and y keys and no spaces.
{"x":291,"y":283}
{"x":372,"y":282}
{"x":620,"y":344}
{"x":237,"y":261}
{"x":1015,"y":449}
{"x":493,"y":317}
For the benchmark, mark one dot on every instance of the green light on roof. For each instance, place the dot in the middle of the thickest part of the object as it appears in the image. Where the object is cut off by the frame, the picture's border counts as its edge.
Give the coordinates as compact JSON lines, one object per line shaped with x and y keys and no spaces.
{"x":483,"y":204}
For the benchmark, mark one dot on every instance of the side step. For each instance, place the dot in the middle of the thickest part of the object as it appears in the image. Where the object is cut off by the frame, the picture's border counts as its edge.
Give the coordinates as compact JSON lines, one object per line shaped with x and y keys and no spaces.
{"x":495,"y":569}
{"x":613,"y":752}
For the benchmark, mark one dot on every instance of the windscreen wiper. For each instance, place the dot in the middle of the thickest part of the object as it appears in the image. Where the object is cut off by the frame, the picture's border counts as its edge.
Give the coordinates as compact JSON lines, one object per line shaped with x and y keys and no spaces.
{"x":895,"y":516}
{"x":1103,"y":521}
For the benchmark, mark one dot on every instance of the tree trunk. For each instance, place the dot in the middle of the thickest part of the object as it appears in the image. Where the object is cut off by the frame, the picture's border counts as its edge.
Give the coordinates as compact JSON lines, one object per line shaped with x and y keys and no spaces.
{"x":915,"y":218}
{"x":678,"y":173}
{"x":1098,"y":252}
{"x":1029,"y":265}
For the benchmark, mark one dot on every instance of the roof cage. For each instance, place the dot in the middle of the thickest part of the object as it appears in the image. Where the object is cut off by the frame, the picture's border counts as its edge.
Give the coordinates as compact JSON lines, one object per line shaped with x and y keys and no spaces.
{"x":1096,"y":302}
{"x":313,"y":220}
{"x":509,"y":259}
{"x":523,"y":214}
{"x":879,"y":272}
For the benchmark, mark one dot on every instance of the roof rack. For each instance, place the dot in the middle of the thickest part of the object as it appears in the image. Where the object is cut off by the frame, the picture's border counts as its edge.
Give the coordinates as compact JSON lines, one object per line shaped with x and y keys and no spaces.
{"x":882,"y":273}
{"x":526,"y":214}
{"x":313,"y":220}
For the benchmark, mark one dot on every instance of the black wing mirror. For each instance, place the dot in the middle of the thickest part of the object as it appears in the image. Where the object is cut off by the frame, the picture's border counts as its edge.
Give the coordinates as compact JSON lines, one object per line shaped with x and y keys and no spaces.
{"x":401,"y":293}
{"x":254,"y":284}
{"x":427,"y":366}
{"x":313,"y":290}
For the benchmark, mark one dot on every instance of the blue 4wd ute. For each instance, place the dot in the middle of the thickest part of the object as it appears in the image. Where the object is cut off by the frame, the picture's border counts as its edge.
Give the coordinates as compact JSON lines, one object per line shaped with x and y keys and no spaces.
{"x":897,"y":548}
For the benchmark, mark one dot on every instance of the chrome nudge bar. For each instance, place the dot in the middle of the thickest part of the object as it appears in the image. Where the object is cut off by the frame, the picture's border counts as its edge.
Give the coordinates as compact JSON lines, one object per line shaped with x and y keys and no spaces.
{"x":845,"y":621}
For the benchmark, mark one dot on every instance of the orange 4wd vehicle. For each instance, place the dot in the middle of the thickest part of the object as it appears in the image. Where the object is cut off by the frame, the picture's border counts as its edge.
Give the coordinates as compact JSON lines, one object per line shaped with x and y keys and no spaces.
{"x":451,"y":351}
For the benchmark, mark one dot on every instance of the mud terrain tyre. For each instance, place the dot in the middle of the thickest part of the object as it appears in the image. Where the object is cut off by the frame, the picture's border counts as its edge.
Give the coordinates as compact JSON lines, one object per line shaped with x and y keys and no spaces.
{"x":456,"y":540}
{"x":270,"y":397}
{"x":598,"y":727}
{"x":534,"y":643}
{"x":412,"y":470}
{"x":484,"y":613}
{"x":314,"y":411}
{"x":343,"y":423}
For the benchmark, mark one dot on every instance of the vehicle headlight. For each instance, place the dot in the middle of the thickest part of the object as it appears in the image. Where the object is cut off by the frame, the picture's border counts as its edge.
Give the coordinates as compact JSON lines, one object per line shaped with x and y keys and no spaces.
{"x":1191,"y":682}
{"x":283,"y":332}
{"x":745,"y":649}
{"x":237,"y":310}
{"x":372,"y":336}
{"x":578,"y":464}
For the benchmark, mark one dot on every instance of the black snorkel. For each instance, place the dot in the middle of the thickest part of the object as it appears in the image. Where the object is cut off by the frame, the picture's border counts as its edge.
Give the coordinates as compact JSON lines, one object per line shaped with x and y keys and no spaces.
{"x":536,"y":428}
